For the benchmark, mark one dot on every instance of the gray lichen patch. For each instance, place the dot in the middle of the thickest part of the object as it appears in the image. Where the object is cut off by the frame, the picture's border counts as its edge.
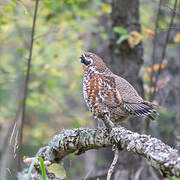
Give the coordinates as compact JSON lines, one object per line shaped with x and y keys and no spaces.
{"x":159,"y":155}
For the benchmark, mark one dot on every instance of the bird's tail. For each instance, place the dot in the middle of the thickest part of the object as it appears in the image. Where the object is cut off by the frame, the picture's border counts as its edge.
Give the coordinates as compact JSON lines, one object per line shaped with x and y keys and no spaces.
{"x":145,"y":109}
{"x":154,"y":114}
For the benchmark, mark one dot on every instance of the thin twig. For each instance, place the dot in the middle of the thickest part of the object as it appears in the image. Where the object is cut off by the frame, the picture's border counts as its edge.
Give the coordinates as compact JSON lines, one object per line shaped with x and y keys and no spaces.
{"x":174,"y":11}
{"x":166,"y":29}
{"x":26,"y":84}
{"x":111,"y":169}
{"x":154,"y":44}
{"x":145,"y":125}
{"x":87,"y":175}
{"x":164,"y":48}
{"x":139,"y":171}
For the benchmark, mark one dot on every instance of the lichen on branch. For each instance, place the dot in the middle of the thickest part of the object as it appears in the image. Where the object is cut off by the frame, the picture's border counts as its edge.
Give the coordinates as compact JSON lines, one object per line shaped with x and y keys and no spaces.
{"x":158,"y":154}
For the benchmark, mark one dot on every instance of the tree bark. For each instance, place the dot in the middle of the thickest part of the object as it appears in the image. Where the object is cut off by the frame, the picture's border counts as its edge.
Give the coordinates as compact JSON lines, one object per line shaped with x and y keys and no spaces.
{"x":126,"y":61}
{"x":161,"y":156}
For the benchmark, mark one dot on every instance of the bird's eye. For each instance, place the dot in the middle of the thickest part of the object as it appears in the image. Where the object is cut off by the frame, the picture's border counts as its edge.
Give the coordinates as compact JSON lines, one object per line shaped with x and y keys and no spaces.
{"x":88,"y":55}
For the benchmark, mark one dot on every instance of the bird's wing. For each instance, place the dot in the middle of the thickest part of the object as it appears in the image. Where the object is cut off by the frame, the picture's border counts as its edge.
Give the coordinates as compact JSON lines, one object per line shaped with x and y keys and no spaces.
{"x":127,"y":91}
{"x":115,"y":90}
{"x":132,"y":102}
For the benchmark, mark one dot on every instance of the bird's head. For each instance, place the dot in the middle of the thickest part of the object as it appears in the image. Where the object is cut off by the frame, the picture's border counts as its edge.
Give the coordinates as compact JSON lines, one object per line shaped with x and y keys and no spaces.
{"x":92,"y":61}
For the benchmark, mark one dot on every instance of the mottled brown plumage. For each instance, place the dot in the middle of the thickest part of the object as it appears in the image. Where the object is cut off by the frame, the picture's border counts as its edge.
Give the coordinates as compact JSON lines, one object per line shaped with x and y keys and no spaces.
{"x":107,"y":94}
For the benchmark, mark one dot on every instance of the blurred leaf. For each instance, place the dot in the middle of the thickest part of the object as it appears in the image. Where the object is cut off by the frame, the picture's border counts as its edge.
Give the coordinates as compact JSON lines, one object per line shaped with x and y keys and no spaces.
{"x":134,"y":38}
{"x":34,"y":85}
{"x":24,"y":7}
{"x":51,"y":84}
{"x":122,"y":38}
{"x":48,"y":4}
{"x":175,"y":178}
{"x":147,"y":77}
{"x":58,"y":170}
{"x":104,"y":36}
{"x":9,"y":8}
{"x":163,"y":65}
{"x":149,"y":89}
{"x":120,"y":30}
{"x":177,"y":38}
{"x":73,"y":86}
{"x":12,"y":3}
{"x":157,"y":66}
{"x":106,"y":8}
{"x":162,"y":84}
{"x":3,"y":21}
{"x":150,"y":32}
{"x":55,"y":73}
{"x":76,"y":123}
{"x":19,"y":50}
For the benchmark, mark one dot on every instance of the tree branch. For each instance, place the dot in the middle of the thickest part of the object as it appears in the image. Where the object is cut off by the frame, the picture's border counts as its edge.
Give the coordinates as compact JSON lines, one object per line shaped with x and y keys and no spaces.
{"x":112,"y":167}
{"x":164,"y":49}
{"x":177,"y":13}
{"x":161,"y":156}
{"x":154,"y":45}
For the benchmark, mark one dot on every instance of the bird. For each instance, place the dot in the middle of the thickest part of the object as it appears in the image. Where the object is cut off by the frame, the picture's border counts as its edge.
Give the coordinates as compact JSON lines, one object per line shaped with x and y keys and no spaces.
{"x":109,"y":96}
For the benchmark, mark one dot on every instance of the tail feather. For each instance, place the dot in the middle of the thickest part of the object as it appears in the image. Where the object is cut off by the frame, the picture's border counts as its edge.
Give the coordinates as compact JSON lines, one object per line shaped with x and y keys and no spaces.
{"x":154,"y":115}
{"x":138,"y":109}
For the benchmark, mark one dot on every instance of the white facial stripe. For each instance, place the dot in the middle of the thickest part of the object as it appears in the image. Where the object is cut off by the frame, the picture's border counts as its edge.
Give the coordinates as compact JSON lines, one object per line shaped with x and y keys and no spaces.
{"x":95,"y":71}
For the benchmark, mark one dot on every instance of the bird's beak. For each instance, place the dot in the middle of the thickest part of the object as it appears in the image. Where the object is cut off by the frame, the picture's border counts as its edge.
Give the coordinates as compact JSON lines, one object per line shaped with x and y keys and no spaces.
{"x":82,"y":59}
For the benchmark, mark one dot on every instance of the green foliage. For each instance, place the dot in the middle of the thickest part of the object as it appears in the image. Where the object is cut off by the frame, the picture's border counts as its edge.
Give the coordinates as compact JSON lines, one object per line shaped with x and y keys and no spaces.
{"x":175,"y":178}
{"x":43,"y":171}
{"x":124,"y":35}
{"x":58,"y":170}
{"x":122,"y":38}
{"x":76,"y":123}
{"x":120,"y":30}
{"x":42,"y":167}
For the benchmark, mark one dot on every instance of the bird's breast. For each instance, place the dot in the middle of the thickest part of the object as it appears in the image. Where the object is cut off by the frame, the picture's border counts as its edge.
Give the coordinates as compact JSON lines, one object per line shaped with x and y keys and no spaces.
{"x":100,"y":95}
{"x":91,"y":84}
{"x":98,"y":90}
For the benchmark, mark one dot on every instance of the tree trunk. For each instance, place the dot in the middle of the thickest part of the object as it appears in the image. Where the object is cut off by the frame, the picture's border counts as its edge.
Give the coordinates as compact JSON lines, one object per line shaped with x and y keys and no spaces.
{"x":126,"y":62}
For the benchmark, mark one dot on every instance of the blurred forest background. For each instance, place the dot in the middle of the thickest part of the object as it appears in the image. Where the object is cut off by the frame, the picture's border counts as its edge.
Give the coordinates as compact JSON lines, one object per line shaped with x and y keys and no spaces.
{"x":138,"y":39}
